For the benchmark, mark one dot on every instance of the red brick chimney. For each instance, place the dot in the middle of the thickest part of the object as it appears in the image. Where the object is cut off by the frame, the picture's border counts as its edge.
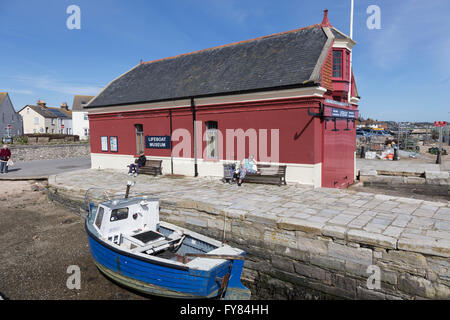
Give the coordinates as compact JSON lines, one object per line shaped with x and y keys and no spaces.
{"x":41,"y":103}
{"x":325,"y":21}
{"x":64,"y":106}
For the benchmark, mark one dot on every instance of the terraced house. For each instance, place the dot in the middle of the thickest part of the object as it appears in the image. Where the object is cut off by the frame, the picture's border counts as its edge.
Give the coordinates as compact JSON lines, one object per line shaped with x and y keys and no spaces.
{"x":80,"y":119}
{"x":10,"y":120}
{"x":42,"y":119}
{"x":288,"y":99}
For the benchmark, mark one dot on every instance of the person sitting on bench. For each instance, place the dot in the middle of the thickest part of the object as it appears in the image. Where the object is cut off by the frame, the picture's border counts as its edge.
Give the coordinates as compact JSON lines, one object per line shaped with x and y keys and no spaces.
{"x":247,"y":166}
{"x":139,"y":162}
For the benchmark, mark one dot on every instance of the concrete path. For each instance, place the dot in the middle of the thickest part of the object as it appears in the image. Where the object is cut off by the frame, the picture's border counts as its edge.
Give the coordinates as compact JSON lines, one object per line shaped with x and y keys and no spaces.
{"x":40,"y":169}
{"x":387,"y":221}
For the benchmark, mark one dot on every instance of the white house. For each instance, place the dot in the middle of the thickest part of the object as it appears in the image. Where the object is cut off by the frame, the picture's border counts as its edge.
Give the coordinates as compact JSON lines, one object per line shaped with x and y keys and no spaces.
{"x":43,"y":119}
{"x":80,"y":116}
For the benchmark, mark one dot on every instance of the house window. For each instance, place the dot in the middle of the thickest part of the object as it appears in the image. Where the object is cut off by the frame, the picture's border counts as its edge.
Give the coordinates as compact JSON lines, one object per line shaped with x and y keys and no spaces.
{"x":53,"y":121}
{"x":86,"y":132}
{"x":85,"y":116}
{"x":212,"y":142}
{"x":337,"y":64}
{"x":36,"y":120}
{"x":139,"y":138}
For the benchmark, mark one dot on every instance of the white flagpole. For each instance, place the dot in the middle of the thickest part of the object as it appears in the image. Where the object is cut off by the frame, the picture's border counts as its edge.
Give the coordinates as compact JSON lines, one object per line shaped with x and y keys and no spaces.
{"x":351,"y":53}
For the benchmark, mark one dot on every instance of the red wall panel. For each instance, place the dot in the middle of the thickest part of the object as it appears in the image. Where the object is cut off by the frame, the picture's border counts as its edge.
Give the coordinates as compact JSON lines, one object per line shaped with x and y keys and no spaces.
{"x":299,"y":133}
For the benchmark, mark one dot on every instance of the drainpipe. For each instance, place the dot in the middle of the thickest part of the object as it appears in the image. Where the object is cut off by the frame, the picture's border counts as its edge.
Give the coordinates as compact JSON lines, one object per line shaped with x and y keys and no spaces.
{"x":195,"y":137}
{"x":171,"y":154}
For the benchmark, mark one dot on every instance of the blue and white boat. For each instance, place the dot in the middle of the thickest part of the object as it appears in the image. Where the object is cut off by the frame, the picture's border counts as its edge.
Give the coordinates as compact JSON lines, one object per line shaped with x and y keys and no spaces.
{"x":131,"y":246}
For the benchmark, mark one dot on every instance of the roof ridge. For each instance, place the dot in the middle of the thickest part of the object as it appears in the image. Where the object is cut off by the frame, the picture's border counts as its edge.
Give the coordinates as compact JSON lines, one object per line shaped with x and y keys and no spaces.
{"x":234,"y":43}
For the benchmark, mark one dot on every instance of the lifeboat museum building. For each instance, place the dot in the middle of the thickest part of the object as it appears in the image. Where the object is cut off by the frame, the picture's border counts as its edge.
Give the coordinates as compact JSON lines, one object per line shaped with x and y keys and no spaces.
{"x":282,"y":98}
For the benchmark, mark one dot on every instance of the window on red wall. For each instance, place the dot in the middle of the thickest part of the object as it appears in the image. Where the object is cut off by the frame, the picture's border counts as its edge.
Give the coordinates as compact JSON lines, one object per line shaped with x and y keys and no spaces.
{"x":347,"y":65}
{"x":341,"y":64}
{"x":337,"y":64}
{"x":139,"y":138}
{"x":212,"y":145}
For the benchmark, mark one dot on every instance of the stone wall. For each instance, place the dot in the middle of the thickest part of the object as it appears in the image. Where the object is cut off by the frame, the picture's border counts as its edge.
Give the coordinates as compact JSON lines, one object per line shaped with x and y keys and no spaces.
{"x":292,"y":258}
{"x":429,"y":182}
{"x":46,"y":152}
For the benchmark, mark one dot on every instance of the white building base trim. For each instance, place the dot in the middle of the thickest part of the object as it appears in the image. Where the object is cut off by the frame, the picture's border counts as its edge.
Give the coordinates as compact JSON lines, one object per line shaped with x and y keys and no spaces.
{"x":110,"y":161}
{"x":308,"y":174}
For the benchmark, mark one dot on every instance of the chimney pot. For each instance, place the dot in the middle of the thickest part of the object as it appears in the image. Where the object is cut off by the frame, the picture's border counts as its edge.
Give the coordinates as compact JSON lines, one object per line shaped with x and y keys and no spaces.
{"x":64,"y":106}
{"x":325,"y":21}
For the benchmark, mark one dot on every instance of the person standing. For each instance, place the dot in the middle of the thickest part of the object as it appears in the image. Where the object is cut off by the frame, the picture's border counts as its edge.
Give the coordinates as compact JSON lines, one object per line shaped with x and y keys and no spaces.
{"x":5,"y":155}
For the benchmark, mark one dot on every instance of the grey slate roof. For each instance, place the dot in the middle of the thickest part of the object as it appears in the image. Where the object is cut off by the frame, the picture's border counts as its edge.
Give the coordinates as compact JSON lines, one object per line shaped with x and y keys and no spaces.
{"x":281,"y":60}
{"x":49,"y":112}
{"x":79,"y":101}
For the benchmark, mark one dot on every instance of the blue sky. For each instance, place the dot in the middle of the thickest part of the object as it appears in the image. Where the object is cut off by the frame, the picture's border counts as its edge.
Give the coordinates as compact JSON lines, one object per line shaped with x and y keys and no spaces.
{"x":402,"y":70}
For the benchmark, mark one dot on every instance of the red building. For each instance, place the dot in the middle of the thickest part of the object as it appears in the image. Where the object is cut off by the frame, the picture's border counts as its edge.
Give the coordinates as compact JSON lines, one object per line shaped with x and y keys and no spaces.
{"x":282,"y":98}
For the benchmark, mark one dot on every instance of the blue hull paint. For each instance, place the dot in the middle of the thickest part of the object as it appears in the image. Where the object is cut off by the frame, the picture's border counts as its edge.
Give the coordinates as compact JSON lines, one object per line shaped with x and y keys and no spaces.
{"x":162,"y":280}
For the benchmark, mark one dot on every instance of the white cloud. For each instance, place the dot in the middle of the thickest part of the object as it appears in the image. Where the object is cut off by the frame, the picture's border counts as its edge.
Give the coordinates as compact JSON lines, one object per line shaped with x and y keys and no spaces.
{"x":18,"y":91}
{"x":56,"y":85}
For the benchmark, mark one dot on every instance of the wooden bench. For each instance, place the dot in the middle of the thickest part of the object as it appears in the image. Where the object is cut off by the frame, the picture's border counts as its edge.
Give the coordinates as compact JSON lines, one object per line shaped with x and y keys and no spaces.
{"x":271,"y":174}
{"x":152,"y":167}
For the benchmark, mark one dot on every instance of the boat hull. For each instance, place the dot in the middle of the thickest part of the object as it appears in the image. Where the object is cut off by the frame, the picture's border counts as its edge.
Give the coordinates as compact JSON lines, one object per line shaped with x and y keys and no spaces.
{"x":156,"y":278}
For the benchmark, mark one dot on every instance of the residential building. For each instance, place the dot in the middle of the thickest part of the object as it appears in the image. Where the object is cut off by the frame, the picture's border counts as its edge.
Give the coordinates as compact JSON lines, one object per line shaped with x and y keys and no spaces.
{"x":10,"y":120}
{"x":287,"y":99}
{"x":80,"y":120}
{"x":42,"y":119}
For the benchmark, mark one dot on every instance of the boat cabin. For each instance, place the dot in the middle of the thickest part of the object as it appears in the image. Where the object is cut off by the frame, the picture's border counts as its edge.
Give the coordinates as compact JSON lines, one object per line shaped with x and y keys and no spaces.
{"x":118,"y":220}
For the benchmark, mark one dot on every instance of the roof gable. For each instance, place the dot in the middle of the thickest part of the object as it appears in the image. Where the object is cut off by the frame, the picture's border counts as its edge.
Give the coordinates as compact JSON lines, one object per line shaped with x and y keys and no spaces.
{"x":282,"y":60}
{"x":79,"y":101}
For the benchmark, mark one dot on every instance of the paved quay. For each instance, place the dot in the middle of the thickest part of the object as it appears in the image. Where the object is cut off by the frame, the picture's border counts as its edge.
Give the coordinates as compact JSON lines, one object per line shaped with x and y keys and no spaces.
{"x":392,"y":222}
{"x":301,"y":242}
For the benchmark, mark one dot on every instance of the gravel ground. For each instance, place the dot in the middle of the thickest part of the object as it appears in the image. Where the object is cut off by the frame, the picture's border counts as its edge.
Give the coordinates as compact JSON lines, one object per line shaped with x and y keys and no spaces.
{"x":39,"y":241}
